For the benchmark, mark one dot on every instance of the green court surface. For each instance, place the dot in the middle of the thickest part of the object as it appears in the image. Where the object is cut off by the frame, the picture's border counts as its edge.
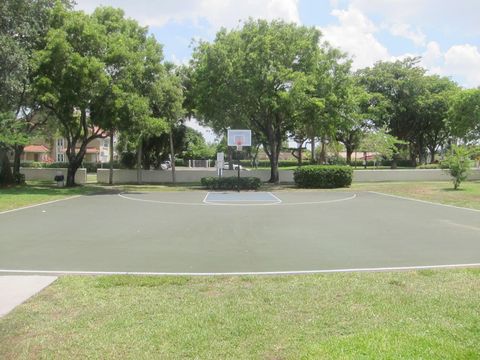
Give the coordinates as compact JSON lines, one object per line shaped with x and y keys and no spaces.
{"x":253,"y":232}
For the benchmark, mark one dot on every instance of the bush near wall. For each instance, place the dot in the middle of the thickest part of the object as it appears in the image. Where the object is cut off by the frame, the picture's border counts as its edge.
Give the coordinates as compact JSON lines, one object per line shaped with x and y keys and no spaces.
{"x":231,"y":183}
{"x":323,"y":176}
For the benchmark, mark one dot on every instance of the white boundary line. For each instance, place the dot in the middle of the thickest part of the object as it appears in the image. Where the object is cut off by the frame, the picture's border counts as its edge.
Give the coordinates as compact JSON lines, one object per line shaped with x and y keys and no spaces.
{"x":423,"y":201}
{"x":45,"y":203}
{"x":293,"y":272}
{"x":159,"y":202}
{"x":223,"y":202}
{"x":275,"y":196}
{"x":322,"y":202}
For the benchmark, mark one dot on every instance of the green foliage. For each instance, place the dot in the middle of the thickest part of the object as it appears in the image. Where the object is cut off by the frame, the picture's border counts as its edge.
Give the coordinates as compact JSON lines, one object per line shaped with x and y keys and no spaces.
{"x":458,"y":163}
{"x":98,"y":72}
{"x":128,"y":159}
{"x":381,"y":143}
{"x":429,"y":166}
{"x":231,"y":183}
{"x":250,"y":78}
{"x":323,"y":176}
{"x":465,"y":114}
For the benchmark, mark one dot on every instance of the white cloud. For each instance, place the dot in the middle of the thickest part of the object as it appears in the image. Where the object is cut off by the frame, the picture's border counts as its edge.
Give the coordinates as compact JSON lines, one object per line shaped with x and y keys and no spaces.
{"x":406,"y":31}
{"x":355,"y":35}
{"x":464,"y":61}
{"x":217,"y":12}
{"x":446,"y":16}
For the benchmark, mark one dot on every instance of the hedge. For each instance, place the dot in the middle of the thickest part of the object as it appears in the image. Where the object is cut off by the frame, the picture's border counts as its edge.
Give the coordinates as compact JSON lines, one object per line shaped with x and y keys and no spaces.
{"x":323,"y":176}
{"x":231,"y":183}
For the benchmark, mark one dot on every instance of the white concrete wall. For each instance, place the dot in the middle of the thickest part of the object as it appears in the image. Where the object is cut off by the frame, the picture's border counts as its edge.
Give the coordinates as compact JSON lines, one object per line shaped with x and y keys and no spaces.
{"x":48,"y":174}
{"x":182,"y":176}
{"x":407,"y":175}
{"x":286,"y":176}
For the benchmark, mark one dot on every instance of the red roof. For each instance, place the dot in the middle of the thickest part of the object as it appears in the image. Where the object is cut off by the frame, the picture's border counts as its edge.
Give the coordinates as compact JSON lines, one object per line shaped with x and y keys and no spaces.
{"x":36,"y":149}
{"x":92,"y":150}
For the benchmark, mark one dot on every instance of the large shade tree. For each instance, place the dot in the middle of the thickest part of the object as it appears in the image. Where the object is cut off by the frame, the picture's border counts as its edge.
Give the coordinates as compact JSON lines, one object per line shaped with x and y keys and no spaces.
{"x":94,"y":74}
{"x":249,"y":77}
{"x":23,"y":26}
{"x":464,"y":119}
{"x":395,"y":88}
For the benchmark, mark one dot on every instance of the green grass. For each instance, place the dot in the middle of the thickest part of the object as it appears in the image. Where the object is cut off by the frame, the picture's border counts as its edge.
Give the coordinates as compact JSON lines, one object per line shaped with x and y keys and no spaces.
{"x":440,"y":191}
{"x":396,"y":315}
{"x":38,"y":192}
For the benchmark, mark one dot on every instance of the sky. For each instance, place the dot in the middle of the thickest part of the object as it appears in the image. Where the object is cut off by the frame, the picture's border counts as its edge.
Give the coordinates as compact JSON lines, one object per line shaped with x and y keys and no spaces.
{"x":445,"y":33}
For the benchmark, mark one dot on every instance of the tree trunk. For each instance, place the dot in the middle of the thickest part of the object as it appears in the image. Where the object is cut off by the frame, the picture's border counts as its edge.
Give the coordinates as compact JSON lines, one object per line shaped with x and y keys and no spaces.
{"x":6,"y":177}
{"x":172,"y":157}
{"x":110,"y":175}
{"x":349,"y":150}
{"x":72,"y":170}
{"x":322,"y":158}
{"x":229,"y":158}
{"x":18,"y":151}
{"x":312,"y":149}
{"x":139,"y":161}
{"x":432,"y":154}
{"x":274,"y":175}
{"x":273,"y":153}
{"x":413,"y":156}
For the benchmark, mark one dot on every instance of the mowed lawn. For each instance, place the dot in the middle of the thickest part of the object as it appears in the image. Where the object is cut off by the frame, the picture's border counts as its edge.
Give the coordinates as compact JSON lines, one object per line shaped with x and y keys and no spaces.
{"x":38,"y":192}
{"x":383,"y":315}
{"x":440,"y":191}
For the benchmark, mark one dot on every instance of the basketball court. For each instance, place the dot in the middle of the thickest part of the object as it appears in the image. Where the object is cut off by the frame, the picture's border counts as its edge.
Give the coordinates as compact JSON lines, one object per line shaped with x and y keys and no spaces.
{"x":199,"y":232}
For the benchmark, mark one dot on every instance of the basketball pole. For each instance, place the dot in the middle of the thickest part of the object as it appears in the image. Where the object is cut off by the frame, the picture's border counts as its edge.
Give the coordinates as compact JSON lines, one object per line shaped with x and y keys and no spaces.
{"x":238,"y":170}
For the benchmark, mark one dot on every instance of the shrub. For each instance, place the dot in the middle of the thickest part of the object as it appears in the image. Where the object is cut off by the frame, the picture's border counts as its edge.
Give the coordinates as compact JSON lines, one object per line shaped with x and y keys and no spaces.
{"x":323,"y":176}
{"x":429,"y":166}
{"x":19,"y":179}
{"x":231,"y":183}
{"x":459,"y":163}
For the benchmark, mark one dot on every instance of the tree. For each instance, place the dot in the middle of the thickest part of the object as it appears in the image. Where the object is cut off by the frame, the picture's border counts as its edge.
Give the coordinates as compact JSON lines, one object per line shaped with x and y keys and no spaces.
{"x":94,"y":75}
{"x":23,"y":27}
{"x":381,"y":143}
{"x":166,"y":101}
{"x":8,"y":137}
{"x":395,"y":88}
{"x":354,"y":118}
{"x":459,"y":164}
{"x":464,"y":119}
{"x":249,"y":77}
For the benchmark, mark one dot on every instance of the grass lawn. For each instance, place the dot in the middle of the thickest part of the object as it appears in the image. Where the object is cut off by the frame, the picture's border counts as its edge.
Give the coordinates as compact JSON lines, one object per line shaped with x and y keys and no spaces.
{"x":440,"y":191}
{"x":38,"y":192}
{"x":389,"y":315}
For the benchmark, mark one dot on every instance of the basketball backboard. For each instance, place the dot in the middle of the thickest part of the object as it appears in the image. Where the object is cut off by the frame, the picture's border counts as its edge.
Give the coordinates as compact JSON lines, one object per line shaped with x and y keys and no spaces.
{"x":239,"y":138}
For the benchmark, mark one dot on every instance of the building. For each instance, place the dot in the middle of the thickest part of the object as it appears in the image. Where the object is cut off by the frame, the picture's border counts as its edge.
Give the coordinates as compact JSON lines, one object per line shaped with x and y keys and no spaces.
{"x":98,"y":151}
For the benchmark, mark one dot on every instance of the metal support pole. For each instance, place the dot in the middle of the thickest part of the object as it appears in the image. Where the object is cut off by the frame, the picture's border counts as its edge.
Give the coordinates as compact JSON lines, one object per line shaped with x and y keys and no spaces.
{"x":238,"y":170}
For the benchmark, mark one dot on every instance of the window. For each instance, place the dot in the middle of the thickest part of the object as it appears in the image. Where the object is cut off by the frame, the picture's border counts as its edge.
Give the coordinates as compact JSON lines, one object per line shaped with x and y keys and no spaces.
{"x":60,"y":143}
{"x":106,"y":143}
{"x":60,"y":157}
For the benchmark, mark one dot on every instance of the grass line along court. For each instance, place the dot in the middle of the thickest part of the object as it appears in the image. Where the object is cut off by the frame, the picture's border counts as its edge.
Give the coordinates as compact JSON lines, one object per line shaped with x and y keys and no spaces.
{"x":197,"y":232}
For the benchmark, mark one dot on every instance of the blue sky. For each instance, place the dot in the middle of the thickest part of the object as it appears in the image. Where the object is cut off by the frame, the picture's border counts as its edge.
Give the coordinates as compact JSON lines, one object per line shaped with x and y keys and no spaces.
{"x":445,"y":33}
